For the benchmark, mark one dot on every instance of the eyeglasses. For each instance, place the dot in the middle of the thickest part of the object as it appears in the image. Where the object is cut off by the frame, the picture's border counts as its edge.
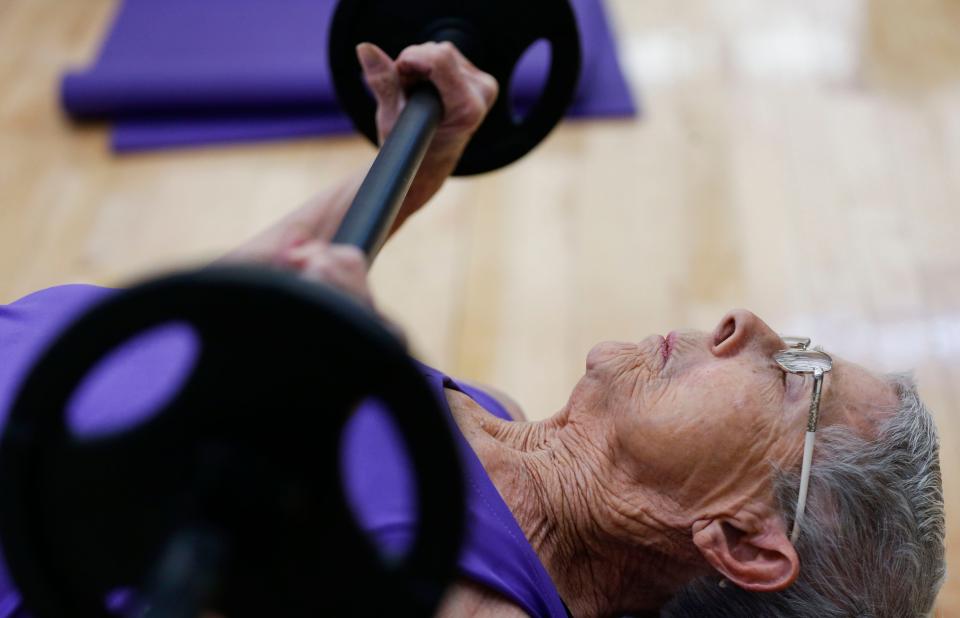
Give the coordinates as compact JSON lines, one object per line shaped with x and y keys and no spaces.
{"x":798,"y":359}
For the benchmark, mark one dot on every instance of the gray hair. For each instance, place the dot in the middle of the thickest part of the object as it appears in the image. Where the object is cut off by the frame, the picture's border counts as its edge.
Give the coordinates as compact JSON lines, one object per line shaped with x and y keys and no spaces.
{"x":872,"y":541}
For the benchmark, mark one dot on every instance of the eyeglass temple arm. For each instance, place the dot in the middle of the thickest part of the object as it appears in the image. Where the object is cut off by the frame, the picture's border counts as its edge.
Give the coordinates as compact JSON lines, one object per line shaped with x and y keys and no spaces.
{"x":808,"y":441}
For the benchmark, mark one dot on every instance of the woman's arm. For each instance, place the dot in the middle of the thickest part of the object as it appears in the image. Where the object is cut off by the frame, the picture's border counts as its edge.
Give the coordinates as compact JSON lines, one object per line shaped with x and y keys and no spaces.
{"x":467,"y":94}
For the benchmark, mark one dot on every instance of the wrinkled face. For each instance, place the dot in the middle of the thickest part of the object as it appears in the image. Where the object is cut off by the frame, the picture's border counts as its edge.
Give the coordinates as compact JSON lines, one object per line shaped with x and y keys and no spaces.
{"x":699,"y":417}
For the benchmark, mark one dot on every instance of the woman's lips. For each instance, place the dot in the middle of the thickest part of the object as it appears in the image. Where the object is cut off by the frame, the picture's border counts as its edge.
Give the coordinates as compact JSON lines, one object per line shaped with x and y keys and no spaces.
{"x":668,"y":344}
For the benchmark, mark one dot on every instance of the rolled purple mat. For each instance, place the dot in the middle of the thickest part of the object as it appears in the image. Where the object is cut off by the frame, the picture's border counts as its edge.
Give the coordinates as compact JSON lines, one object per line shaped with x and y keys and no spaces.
{"x":182,"y":72}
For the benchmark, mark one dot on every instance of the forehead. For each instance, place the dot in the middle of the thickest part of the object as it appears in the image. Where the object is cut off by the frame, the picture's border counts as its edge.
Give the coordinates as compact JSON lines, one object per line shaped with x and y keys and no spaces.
{"x":856,"y":397}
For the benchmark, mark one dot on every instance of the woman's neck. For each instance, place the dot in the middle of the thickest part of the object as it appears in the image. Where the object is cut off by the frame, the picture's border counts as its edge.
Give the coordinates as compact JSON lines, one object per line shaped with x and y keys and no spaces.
{"x":598,"y":537}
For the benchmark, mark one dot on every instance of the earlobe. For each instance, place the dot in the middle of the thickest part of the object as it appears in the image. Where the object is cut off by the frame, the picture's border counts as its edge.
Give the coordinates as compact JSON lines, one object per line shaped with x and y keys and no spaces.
{"x":759,"y":560}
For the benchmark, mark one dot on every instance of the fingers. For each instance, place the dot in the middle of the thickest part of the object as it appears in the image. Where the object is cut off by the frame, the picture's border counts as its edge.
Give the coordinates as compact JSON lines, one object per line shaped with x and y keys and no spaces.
{"x":342,"y":266}
{"x":466,"y":91}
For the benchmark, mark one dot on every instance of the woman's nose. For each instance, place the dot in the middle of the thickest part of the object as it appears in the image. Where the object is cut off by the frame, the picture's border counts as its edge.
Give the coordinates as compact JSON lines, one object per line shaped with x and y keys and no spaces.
{"x":741,"y":329}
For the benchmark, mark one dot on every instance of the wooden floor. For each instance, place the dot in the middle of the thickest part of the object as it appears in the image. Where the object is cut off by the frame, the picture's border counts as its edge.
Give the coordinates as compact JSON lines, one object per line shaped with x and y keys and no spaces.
{"x":800,"y":158}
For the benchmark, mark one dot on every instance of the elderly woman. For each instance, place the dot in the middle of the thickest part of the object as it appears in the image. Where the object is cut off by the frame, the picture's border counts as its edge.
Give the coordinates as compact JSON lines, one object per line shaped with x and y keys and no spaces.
{"x":676,"y":479}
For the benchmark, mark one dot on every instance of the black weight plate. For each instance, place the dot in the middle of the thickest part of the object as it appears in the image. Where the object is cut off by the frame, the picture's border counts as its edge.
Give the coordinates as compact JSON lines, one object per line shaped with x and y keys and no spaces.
{"x":493,"y":34}
{"x":248,"y":446}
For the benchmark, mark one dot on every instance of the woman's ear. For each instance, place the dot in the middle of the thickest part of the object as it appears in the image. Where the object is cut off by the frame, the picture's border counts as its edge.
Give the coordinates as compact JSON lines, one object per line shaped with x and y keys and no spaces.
{"x":759,"y":559}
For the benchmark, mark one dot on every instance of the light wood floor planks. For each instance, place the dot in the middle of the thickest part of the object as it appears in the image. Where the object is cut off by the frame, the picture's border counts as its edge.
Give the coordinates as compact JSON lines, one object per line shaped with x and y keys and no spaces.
{"x":801,"y":159}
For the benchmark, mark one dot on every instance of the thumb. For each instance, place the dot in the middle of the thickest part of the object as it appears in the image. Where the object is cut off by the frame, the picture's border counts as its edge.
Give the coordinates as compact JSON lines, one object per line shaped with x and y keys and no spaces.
{"x":380,"y":73}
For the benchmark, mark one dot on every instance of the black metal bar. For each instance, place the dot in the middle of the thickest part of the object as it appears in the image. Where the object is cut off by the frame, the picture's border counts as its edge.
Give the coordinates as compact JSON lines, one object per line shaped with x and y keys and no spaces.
{"x":375,"y":207}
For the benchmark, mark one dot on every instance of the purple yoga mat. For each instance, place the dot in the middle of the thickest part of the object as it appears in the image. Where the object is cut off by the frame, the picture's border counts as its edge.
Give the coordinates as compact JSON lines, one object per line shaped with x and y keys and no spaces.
{"x":185,"y":72}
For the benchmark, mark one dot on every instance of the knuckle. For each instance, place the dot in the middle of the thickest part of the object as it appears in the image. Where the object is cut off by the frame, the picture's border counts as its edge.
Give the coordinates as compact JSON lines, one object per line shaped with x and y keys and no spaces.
{"x":409,"y":60}
{"x":448,"y":59}
{"x":489,"y":84}
{"x":351,"y":258}
{"x":353,"y":251}
{"x":348,"y":252}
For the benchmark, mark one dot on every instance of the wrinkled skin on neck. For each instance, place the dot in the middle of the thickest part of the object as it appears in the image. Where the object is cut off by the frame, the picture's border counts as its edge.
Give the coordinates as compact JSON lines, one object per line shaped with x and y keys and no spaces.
{"x":659,"y":468}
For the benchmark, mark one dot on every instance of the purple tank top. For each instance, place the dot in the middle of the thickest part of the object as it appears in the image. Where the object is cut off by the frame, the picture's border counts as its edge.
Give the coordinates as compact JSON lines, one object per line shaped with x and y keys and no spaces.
{"x":142,"y":373}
